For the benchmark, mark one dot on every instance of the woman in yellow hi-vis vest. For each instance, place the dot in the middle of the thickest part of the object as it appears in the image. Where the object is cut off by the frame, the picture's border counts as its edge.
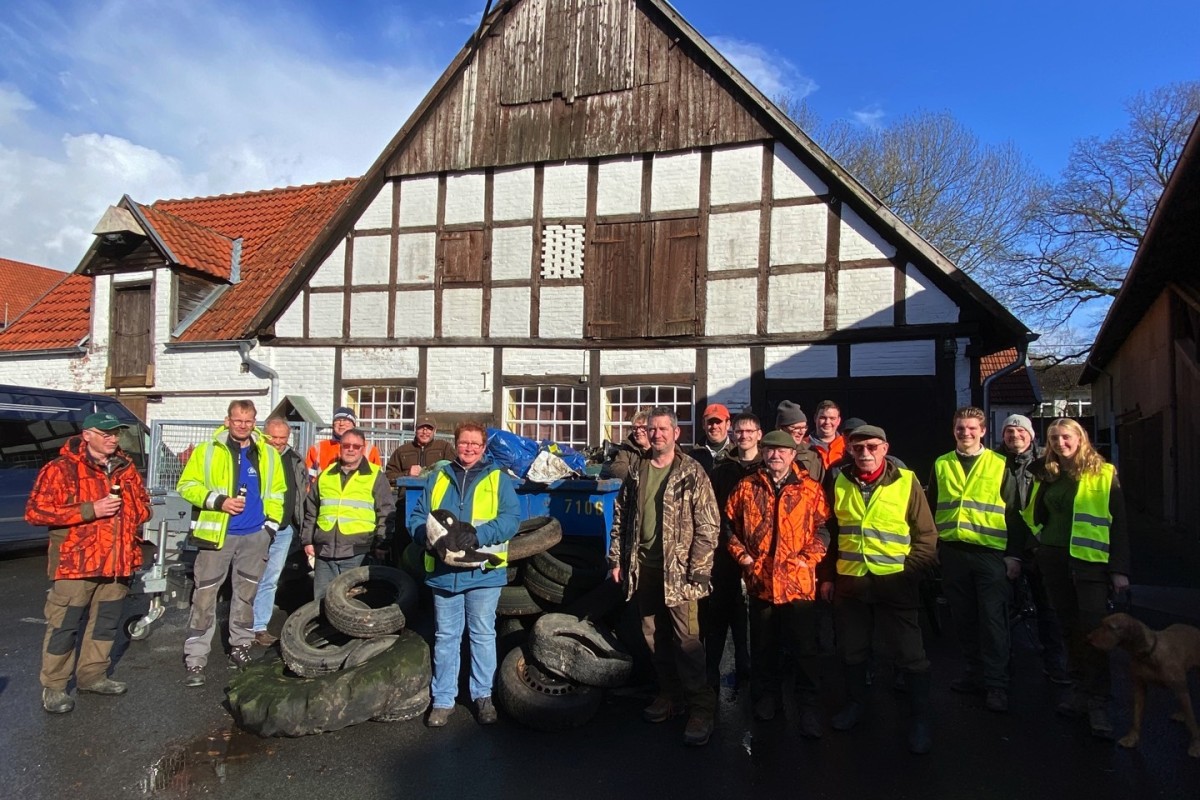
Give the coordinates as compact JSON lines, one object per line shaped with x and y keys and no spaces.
{"x":474,"y":489}
{"x":1077,"y":514}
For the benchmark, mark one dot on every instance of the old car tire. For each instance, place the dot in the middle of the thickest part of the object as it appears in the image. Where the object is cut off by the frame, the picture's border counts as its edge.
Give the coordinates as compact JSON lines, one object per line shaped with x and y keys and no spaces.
{"x":310,"y":645}
{"x":515,"y":601}
{"x":534,"y":535}
{"x":404,"y":710}
{"x":573,"y":563}
{"x":539,"y":700}
{"x":370,"y":601}
{"x":368,"y":649}
{"x":579,"y":651}
{"x":267,"y":700}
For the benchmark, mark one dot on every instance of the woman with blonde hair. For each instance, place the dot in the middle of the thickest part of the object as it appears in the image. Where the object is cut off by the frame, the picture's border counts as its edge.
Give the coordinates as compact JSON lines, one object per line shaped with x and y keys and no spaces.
{"x":631,"y":451}
{"x":1077,"y":514}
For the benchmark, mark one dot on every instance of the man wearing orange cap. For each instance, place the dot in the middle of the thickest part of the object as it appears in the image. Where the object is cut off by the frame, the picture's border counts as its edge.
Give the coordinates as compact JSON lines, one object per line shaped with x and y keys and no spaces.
{"x":716,"y":438}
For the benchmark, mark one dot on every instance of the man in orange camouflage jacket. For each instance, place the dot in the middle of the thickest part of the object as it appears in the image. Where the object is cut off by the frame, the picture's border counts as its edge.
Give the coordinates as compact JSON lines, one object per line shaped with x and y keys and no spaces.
{"x":775,"y":519}
{"x":94,"y":549}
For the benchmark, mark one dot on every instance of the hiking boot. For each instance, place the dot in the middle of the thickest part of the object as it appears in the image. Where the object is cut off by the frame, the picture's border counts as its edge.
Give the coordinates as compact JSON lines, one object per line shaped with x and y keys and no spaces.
{"x":698,"y":731}
{"x":57,"y":701}
{"x":810,"y":723}
{"x":105,"y":686}
{"x":264,"y":638}
{"x":967,"y":685}
{"x":764,"y":708}
{"x":195,"y":676}
{"x":240,"y":656}
{"x":485,"y":712}
{"x":1099,"y":722}
{"x":438,"y":717}
{"x":661,"y":710}
{"x":997,"y":700}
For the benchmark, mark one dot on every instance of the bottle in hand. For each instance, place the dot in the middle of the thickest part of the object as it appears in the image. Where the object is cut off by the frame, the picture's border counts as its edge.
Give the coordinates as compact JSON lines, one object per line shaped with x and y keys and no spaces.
{"x":114,"y":491}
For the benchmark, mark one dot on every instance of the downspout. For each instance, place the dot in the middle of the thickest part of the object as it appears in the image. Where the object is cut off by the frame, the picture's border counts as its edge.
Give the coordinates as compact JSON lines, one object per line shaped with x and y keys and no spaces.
{"x":1018,"y":362}
{"x":244,"y":348}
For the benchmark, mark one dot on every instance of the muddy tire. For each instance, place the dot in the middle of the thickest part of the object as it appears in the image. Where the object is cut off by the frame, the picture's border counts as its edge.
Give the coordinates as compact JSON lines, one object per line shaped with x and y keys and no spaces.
{"x":515,"y":601}
{"x":579,"y":651}
{"x":573,"y":563}
{"x":266,"y":699}
{"x":370,"y":601}
{"x":534,"y":535}
{"x":542,"y":701}
{"x":310,"y":645}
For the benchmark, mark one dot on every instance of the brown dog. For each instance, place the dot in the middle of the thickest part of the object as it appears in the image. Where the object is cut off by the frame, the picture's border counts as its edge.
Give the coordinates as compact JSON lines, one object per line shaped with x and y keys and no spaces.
{"x":1162,"y":657}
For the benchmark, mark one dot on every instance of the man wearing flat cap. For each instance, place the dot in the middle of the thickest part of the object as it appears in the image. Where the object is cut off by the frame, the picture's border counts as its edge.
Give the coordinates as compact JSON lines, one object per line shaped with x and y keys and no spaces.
{"x":324,"y":453}
{"x":885,"y":541}
{"x":93,"y":500}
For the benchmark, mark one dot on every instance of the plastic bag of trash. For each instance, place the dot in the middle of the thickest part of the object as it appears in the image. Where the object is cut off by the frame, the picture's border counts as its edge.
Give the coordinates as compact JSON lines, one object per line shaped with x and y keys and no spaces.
{"x":547,"y":468}
{"x":510,"y":450}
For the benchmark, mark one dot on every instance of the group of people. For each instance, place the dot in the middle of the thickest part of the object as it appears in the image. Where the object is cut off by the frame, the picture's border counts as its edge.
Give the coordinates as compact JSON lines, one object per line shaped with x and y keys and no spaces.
{"x":794,"y":516}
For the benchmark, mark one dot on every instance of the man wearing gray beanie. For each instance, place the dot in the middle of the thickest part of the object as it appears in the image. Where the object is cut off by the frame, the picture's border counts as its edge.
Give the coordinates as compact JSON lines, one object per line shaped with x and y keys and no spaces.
{"x":790,"y":418}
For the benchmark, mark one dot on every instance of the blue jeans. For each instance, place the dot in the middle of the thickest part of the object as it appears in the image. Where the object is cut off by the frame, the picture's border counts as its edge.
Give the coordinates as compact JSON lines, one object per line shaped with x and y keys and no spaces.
{"x":264,"y":598}
{"x":477,"y":609}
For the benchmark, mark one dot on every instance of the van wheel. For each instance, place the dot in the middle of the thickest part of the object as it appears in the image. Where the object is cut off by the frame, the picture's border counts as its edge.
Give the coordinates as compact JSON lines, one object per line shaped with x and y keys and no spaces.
{"x":539,"y":700}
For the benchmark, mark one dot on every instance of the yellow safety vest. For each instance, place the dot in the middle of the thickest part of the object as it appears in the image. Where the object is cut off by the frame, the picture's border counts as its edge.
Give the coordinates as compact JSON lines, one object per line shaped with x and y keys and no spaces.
{"x":872,"y":537}
{"x":350,"y":507}
{"x":970,"y":508}
{"x":1091,"y":518}
{"x":485,"y":507}
{"x":215,"y":473}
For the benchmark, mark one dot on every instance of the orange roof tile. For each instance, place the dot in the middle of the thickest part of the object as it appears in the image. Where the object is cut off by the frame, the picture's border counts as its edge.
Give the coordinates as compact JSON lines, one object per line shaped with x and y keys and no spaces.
{"x":1013,"y":389}
{"x":60,"y":319}
{"x":21,"y":285}
{"x":196,"y":246}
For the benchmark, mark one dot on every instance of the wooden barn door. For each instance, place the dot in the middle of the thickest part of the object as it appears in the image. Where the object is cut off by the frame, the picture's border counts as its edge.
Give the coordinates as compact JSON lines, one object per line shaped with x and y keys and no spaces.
{"x":130,"y":352}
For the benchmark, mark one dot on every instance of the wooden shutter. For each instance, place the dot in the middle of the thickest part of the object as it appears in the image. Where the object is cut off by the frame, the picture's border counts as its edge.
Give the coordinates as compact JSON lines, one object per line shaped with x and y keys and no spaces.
{"x":673,"y":279}
{"x":130,"y":354}
{"x":460,"y":254}
{"x":614,"y":281}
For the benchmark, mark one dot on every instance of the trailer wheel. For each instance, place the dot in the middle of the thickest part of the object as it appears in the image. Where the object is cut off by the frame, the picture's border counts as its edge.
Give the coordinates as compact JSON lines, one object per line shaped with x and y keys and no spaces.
{"x":370,"y":601}
{"x":310,"y":645}
{"x":579,"y":651}
{"x":542,"y":701}
{"x":534,"y":535}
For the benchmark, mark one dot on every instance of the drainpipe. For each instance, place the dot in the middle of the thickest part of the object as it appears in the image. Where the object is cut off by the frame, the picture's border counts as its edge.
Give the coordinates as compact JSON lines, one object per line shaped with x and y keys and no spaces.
{"x":1018,"y":362}
{"x":244,"y":348}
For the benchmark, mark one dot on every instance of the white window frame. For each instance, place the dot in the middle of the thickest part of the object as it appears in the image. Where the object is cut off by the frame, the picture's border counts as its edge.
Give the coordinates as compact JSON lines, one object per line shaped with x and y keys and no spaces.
{"x":623,"y":401}
{"x":554,"y":411}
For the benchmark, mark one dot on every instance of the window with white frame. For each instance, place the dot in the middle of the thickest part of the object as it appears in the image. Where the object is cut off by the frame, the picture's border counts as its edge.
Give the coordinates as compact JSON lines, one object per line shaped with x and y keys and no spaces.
{"x":390,"y":407}
{"x":556,"y":413}
{"x":622,"y":402}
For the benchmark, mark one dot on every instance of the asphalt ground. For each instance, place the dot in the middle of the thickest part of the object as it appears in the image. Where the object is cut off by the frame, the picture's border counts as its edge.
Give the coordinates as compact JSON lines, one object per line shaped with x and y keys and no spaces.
{"x":165,"y":740}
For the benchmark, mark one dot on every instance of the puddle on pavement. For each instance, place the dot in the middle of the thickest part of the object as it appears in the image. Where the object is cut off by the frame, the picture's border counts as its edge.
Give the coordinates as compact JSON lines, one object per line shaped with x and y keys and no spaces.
{"x":202,"y":762}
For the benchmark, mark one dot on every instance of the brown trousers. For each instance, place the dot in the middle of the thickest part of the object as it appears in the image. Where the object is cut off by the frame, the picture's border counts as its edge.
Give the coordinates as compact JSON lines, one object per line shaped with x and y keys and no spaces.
{"x":102,"y":600}
{"x":673,"y":636}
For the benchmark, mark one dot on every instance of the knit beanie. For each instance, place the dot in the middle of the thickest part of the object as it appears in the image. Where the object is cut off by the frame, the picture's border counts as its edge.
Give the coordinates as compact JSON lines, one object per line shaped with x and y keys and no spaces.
{"x":1019,"y":421}
{"x":789,"y":413}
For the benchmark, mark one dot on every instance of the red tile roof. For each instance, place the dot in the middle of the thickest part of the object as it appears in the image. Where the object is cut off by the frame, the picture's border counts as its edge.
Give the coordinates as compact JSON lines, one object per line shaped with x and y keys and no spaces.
{"x":196,"y":246}
{"x":60,"y":319}
{"x":21,"y":285}
{"x":1013,"y":389}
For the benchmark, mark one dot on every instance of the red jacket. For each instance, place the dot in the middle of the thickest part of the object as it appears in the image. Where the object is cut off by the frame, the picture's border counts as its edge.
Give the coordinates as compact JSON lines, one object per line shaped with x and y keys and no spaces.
{"x":82,"y":546}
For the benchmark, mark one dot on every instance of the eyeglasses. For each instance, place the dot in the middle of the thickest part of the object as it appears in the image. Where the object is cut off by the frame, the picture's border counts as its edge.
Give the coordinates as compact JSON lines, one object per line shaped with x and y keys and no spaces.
{"x":472,"y":445}
{"x":867,"y":447}
{"x":745,"y":432}
{"x":799,"y":427}
{"x":241,"y":423}
{"x":104,"y":434}
{"x":347,"y":446}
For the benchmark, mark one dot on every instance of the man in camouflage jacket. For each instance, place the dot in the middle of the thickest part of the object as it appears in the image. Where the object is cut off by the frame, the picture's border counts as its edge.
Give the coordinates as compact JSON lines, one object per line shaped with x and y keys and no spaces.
{"x":665,"y":528}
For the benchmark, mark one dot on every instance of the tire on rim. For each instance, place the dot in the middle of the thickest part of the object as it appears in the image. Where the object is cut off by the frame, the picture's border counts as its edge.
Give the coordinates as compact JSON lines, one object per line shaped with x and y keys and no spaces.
{"x":534,"y":535}
{"x":310,"y":645}
{"x":539,"y":700}
{"x":370,"y":601}
{"x":579,"y":651}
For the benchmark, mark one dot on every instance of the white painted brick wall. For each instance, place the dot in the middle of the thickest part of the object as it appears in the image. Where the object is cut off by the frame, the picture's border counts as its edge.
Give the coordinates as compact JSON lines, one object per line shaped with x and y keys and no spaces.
{"x":325,"y":316}
{"x":379,"y":213}
{"x":798,"y":234}
{"x":675,"y":182}
{"x":638,"y":362}
{"x":134,"y":277}
{"x":729,"y":377}
{"x":368,"y":314}
{"x":308,"y":373}
{"x":962,"y":373}
{"x":564,"y":190}
{"x":512,"y":194}
{"x":364,"y":363}
{"x":796,"y":303}
{"x":790,"y":178}
{"x":924,"y":303}
{"x":212,"y":408}
{"x":561,"y":312}
{"x":418,"y":201}
{"x":512,"y":253}
{"x":619,"y":186}
{"x":291,"y":321}
{"x":860,"y":240}
{"x":82,"y":374}
{"x":462,"y":313}
{"x":865,"y":298}
{"x":510,"y":312}
{"x":733,"y":240}
{"x":416,"y":257}
{"x":464,"y":197}
{"x":521,"y":361}
{"x":160,"y":291}
{"x":332,"y":271}
{"x":736,"y":174}
{"x":101,"y":309}
{"x":204,"y":369}
{"x":730,"y":307}
{"x":893,"y":358}
{"x":460,"y":379}
{"x":370,"y":264}
{"x":414,"y":314}
{"x":791,"y":362}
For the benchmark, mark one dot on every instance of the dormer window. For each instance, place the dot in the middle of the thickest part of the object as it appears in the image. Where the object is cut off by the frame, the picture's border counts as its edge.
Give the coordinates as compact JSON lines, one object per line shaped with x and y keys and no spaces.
{"x":190,"y":292}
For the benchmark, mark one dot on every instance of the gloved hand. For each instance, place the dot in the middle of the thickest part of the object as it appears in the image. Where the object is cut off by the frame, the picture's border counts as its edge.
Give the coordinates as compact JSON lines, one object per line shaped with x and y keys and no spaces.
{"x":462,"y":537}
{"x":701,"y":579}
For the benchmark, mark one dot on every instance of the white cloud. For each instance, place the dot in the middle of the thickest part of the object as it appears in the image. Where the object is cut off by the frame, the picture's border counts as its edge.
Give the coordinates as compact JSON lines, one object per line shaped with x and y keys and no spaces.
{"x":773,"y":74}
{"x":870,"y":117}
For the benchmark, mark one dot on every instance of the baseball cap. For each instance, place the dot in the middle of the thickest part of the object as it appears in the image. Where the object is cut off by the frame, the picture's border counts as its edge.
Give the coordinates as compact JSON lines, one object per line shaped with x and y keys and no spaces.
{"x":426,"y":422}
{"x":716,"y":410}
{"x":868,"y":432}
{"x":103,"y":421}
{"x":344,"y":412}
{"x":778,"y":438}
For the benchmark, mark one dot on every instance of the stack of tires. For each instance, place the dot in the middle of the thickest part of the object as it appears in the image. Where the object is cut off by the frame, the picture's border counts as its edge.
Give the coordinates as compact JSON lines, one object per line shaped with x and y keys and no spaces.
{"x":345,"y":661}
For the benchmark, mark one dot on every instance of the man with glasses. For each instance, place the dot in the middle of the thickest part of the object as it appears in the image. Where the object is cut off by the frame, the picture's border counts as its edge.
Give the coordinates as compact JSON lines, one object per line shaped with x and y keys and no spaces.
{"x":716,"y":444}
{"x":325,"y":452}
{"x":631,"y":451}
{"x":885,"y":541}
{"x":790,"y":419}
{"x":279,"y":436}
{"x":92,"y":499}
{"x":348,"y":514}
{"x":236,"y":481}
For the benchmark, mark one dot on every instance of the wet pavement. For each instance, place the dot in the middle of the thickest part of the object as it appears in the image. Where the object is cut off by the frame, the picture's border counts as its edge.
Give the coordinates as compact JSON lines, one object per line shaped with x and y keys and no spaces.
{"x":163,"y":740}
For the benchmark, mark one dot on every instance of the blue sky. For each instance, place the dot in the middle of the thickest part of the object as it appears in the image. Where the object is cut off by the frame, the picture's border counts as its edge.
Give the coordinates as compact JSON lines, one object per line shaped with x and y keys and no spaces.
{"x":158,"y":99}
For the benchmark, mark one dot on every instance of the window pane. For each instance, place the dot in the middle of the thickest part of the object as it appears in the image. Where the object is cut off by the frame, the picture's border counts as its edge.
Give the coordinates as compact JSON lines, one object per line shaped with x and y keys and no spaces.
{"x":624,"y":401}
{"x":557,"y":413}
{"x":387,"y":413}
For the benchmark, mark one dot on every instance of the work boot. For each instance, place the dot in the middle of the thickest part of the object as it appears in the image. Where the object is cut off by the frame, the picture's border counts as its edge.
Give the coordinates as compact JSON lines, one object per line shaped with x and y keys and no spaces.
{"x":438,"y":717}
{"x":856,"y":697}
{"x":662,"y":709}
{"x":57,"y":701}
{"x":699,"y":730}
{"x":485,"y":712}
{"x":920,"y":733}
{"x":195,"y":676}
{"x":264,"y":638}
{"x":1099,"y":722}
{"x":996,"y":700}
{"x":105,"y":686}
{"x":240,"y":656}
{"x":764,"y":708}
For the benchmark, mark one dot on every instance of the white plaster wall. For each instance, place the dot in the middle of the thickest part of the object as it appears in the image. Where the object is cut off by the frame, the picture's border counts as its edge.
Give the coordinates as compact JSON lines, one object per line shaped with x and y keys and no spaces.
{"x":512,"y":193}
{"x":211,"y":408}
{"x":790,"y":178}
{"x":460,"y":379}
{"x":464,"y":197}
{"x":564,"y":190}
{"x":332,"y":271}
{"x":512,"y":253}
{"x":101,"y":306}
{"x":545,"y":361}
{"x":414,"y":314}
{"x":733,"y":240}
{"x":368,"y":314}
{"x":308,"y":373}
{"x":379,"y":213}
{"x":416,"y":257}
{"x":291,"y":321}
{"x":462,"y":312}
{"x":325,"y":315}
{"x":730,"y":307}
{"x":924,"y":303}
{"x":203,"y":369}
{"x":363,"y":363}
{"x":796,"y":303}
{"x":729,"y":377}
{"x":418,"y":201}
{"x":675,"y":182}
{"x":865,"y":298}
{"x":859,"y":240}
{"x":791,"y":362}
{"x":639,"y":362}
{"x":370,"y":263}
{"x":510,"y":312}
{"x":893,"y":358}
{"x":79,"y":374}
{"x":619,"y":186}
{"x":561,"y":312}
{"x":798,"y":234}
{"x":736,"y":174}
